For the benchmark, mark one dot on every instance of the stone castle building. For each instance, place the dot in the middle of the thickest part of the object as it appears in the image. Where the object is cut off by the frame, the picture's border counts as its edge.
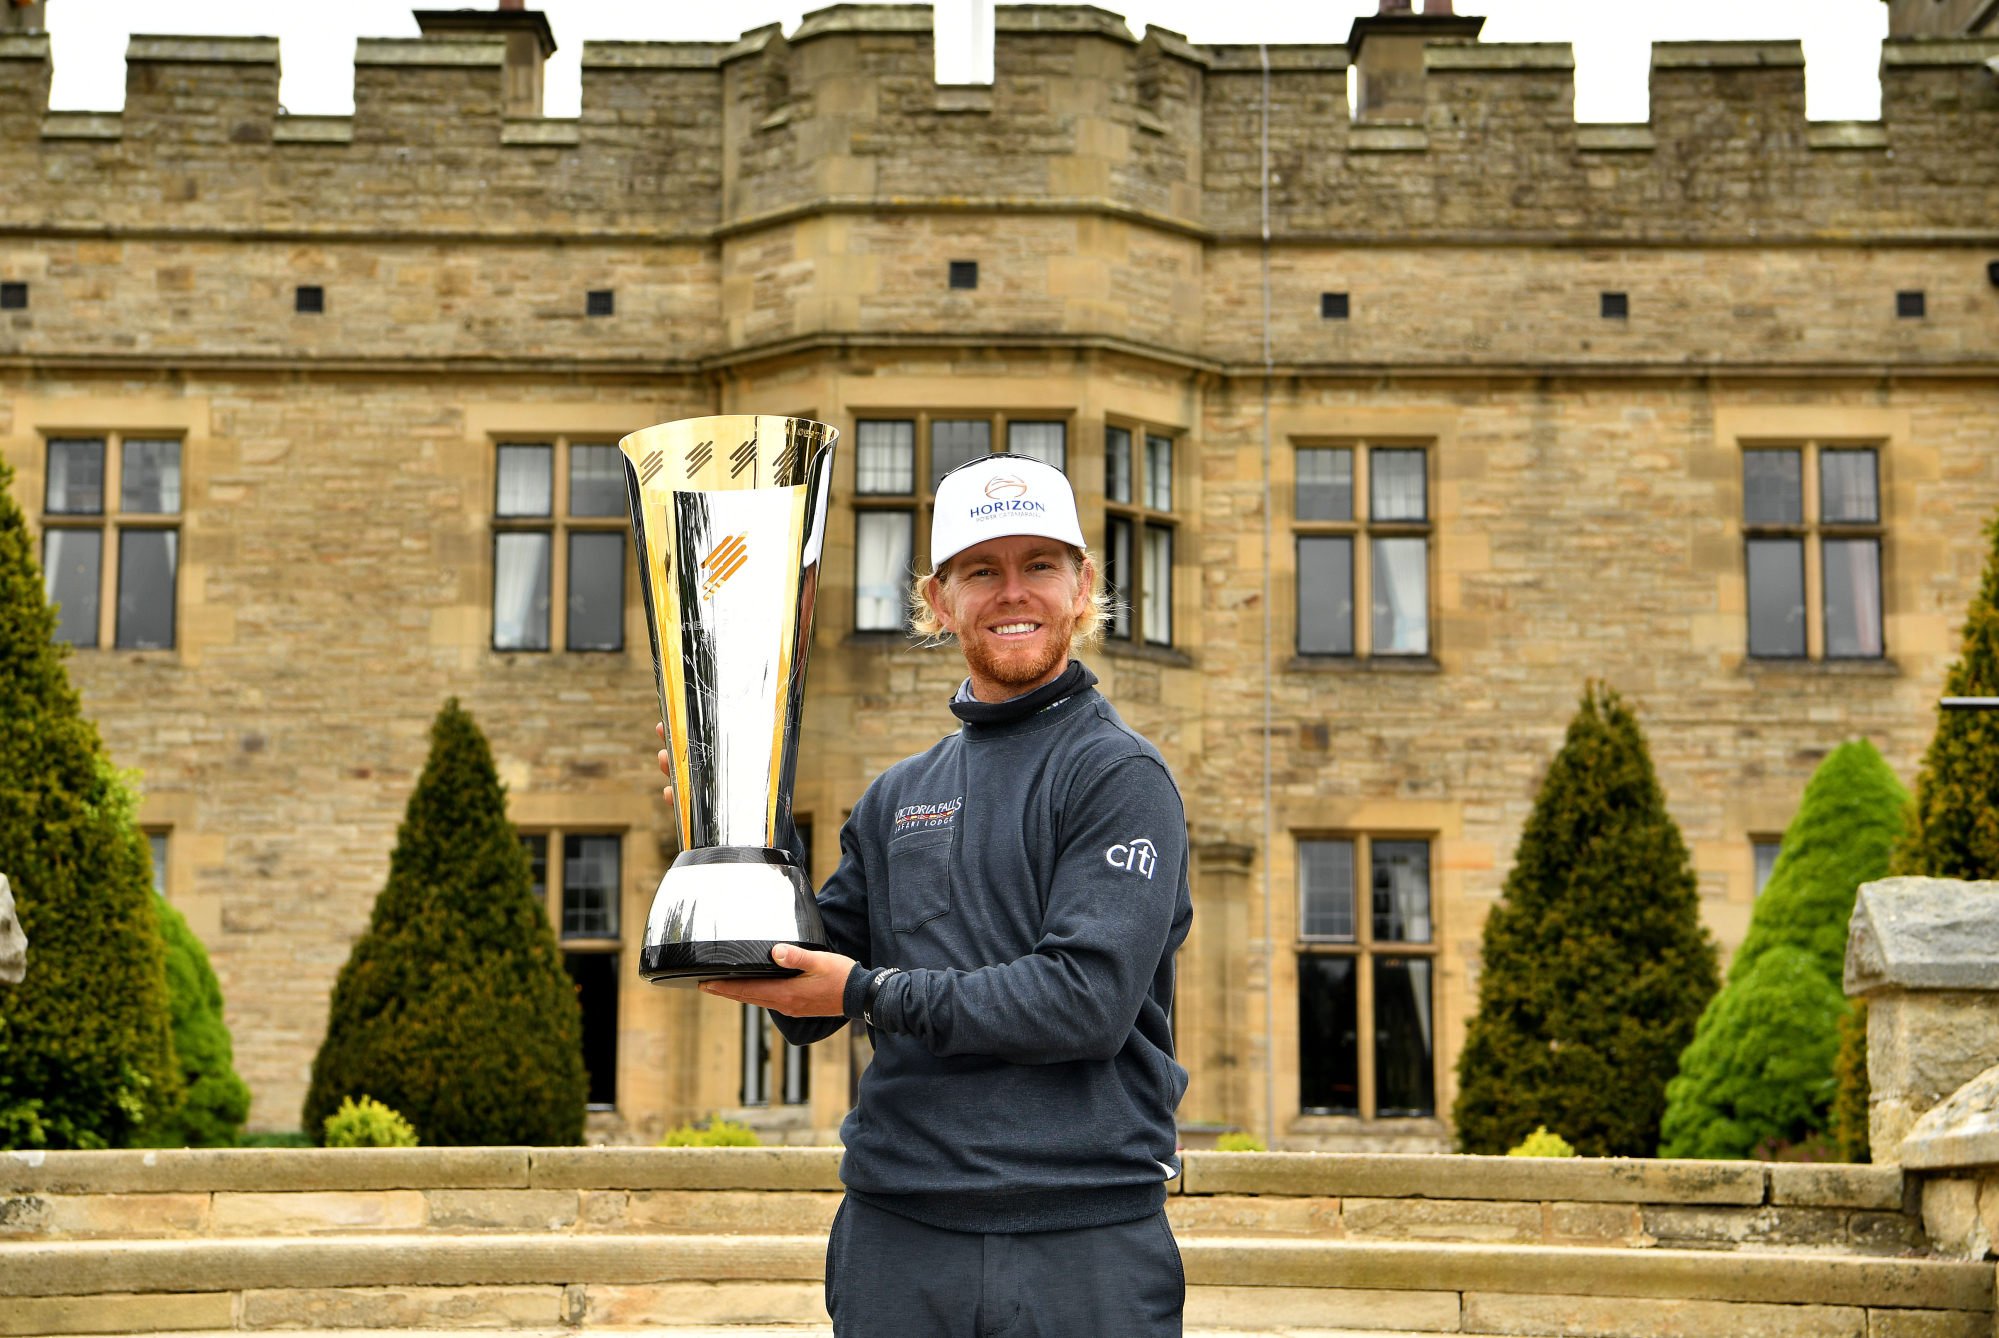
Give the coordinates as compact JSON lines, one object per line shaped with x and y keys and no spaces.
{"x":1395,"y":425}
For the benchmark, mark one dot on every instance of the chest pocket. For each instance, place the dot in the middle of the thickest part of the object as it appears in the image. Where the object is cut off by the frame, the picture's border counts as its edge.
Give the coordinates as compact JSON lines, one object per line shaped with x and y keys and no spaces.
{"x":919,"y":880}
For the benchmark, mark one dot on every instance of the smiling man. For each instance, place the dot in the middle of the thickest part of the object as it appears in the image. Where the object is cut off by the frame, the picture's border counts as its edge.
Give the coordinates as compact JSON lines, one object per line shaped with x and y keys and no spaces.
{"x":1004,"y":920}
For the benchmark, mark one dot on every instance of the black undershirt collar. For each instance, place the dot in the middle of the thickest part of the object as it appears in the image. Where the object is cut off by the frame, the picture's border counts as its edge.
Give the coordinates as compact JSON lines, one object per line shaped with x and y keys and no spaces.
{"x":1071,"y":681}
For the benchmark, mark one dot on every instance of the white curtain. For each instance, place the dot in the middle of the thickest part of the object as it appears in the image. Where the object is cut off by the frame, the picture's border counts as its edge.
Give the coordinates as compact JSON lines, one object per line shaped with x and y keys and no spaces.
{"x":885,"y":456}
{"x":520,"y":592}
{"x":1853,"y":598}
{"x":1046,"y":442}
{"x":1159,"y":473}
{"x":881,"y":570}
{"x":1159,"y":584}
{"x":525,"y":480}
{"x":1397,"y":485}
{"x":1401,"y":597}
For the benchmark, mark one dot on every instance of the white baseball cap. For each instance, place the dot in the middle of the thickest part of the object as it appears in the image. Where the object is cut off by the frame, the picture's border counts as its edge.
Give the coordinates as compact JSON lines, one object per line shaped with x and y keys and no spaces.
{"x":998,"y":497}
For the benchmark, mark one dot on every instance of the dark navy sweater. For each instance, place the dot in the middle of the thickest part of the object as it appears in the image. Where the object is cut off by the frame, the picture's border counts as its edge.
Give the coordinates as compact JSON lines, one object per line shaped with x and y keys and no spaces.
{"x":1029,"y":877}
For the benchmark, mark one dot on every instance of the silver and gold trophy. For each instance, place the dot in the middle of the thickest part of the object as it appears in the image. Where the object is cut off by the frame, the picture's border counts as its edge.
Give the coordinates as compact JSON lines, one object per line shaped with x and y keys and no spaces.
{"x":728,"y":518}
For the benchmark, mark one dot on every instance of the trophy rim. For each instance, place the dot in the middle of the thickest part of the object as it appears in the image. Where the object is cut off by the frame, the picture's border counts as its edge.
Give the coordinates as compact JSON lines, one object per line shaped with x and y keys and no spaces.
{"x":823,"y":435}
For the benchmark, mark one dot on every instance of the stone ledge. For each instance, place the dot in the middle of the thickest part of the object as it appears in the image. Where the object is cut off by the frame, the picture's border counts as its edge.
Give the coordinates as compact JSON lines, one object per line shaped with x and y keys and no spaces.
{"x":128,"y":1267}
{"x":1938,"y":51}
{"x":203,"y":50}
{"x":24,"y":46}
{"x":1846,"y":135}
{"x":1809,"y":1186}
{"x":684,"y":1168}
{"x":1727,"y":55}
{"x":1501,"y":56}
{"x":427,"y":51}
{"x":1611,"y":138}
{"x":313,"y":130}
{"x":561,"y":133}
{"x":1365,"y":138}
{"x":1922,"y":934}
{"x":263,"y":1169}
{"x":83,"y":125}
{"x":1581,"y":1180}
{"x":654,"y":55}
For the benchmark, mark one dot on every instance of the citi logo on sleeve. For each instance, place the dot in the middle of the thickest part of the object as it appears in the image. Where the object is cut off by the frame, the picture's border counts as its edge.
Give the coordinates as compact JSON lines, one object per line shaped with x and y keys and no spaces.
{"x":1138,"y":857}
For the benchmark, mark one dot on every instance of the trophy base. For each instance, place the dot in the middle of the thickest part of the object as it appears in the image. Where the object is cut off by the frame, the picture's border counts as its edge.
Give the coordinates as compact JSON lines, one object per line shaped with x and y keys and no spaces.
{"x":721,"y":909}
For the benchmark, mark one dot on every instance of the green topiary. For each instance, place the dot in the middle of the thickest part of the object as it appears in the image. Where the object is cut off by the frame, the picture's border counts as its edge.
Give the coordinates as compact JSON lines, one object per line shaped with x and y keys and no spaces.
{"x":1760,"y":1069}
{"x":454,"y":1007}
{"x":367,"y":1123}
{"x":714,"y":1132}
{"x":1953,"y":827}
{"x":217,"y":1101}
{"x":1594,"y":964}
{"x":1541,"y":1143}
{"x":86,"y":1051}
{"x":1239,"y":1142}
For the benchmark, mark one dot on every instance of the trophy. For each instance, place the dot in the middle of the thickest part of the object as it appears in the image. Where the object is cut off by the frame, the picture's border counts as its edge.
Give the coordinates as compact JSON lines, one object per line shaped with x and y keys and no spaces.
{"x":728,"y":516}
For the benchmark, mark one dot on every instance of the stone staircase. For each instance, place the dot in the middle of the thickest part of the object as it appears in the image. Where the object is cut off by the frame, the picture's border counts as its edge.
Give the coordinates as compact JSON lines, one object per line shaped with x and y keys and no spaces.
{"x":702,"y":1243}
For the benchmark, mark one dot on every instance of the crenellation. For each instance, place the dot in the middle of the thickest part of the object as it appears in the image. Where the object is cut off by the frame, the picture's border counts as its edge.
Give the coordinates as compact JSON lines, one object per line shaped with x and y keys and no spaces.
{"x":208,"y":90}
{"x":428,"y":93}
{"x":25,"y":71}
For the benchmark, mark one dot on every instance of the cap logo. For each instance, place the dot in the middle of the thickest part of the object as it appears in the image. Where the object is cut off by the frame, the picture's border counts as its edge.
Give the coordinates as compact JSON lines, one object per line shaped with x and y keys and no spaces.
{"x":723,"y":561}
{"x":1003,"y":486}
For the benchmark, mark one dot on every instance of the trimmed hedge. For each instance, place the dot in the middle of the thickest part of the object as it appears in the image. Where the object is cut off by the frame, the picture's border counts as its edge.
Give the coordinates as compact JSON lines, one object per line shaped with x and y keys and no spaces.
{"x":1760,"y":1071}
{"x":86,"y":1050}
{"x":217,"y":1101}
{"x":1595,"y":964}
{"x":454,"y":1008}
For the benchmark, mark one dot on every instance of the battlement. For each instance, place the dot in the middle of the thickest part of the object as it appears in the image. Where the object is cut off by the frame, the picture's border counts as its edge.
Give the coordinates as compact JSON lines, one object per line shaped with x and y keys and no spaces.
{"x":703,"y":139}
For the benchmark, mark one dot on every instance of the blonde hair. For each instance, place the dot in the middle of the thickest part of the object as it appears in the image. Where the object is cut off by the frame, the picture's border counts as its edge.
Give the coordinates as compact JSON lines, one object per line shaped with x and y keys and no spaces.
{"x":923,"y":619}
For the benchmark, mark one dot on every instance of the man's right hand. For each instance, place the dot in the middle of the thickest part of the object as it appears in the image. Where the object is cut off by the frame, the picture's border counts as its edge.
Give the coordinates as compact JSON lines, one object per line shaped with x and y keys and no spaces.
{"x":665,"y":762}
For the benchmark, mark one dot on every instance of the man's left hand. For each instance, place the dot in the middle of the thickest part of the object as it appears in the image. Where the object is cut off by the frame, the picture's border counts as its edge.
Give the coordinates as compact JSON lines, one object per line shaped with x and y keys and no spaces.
{"x":817,"y":991}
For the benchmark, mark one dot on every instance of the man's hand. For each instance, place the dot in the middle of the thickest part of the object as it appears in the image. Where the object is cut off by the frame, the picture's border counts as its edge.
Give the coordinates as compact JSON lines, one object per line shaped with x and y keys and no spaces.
{"x":817,"y":992}
{"x":665,"y":762}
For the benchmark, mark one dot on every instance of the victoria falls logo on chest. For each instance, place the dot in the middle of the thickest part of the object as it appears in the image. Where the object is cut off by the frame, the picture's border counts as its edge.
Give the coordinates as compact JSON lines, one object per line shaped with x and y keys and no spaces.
{"x":917,"y":817}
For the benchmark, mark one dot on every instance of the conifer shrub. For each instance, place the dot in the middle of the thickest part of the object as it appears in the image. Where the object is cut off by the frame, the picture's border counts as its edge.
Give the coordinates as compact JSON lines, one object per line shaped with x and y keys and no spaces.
{"x":86,"y":1050}
{"x":212,"y":1112}
{"x":1595,"y":966}
{"x":1760,"y":1070}
{"x":1953,"y":827}
{"x":367,"y":1123}
{"x":454,"y":1007}
{"x":1851,"y":1087}
{"x":1541,"y":1143}
{"x":713,"y":1132}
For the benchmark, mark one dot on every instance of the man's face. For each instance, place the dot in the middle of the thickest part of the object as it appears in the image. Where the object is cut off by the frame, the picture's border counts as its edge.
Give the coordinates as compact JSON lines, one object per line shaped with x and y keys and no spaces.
{"x":1013,"y":604}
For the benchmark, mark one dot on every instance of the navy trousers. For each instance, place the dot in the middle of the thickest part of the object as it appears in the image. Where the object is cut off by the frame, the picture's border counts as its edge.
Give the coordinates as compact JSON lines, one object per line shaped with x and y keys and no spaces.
{"x":890,"y":1277}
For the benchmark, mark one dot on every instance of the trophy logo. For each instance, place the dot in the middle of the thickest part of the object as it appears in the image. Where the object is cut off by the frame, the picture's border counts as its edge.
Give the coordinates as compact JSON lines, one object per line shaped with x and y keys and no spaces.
{"x":725,"y":560}
{"x":731,"y":678}
{"x":1005,"y":487}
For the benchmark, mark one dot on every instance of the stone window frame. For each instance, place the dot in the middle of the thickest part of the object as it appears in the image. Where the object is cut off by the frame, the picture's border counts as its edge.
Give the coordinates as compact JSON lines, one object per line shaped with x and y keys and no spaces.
{"x":561,"y":527}
{"x":1362,"y":529}
{"x":1811,"y":532}
{"x":916,"y":502}
{"x":553,"y":896}
{"x":1365,"y":950}
{"x":111,"y":522}
{"x":1143,"y":513}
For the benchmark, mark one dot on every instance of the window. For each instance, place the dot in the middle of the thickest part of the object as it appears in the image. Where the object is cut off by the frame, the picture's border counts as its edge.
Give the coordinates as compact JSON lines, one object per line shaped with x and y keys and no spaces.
{"x":582,"y":554}
{"x":1334,"y":306}
{"x":761,"y":1040}
{"x":897,"y":465}
{"x":583,"y":870}
{"x":309,"y":298}
{"x":1363,"y":523}
{"x":1812,"y":555}
{"x":1911,"y":305}
{"x":1139,"y":531}
{"x":156,"y":845}
{"x":600,"y":302}
{"x":1614,"y":306}
{"x":1764,"y":851}
{"x":1366,"y":1023}
{"x":964,"y":274}
{"x":13,"y":296}
{"x":134,"y":590}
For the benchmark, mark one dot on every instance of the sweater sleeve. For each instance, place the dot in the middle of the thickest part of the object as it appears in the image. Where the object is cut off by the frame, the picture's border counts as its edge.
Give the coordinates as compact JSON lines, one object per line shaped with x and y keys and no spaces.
{"x":1109,"y":917}
{"x":843,"y":907}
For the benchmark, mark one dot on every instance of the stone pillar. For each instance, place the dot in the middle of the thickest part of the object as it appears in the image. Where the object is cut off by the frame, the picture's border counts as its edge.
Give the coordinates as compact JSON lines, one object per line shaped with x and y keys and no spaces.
{"x":1387,"y":54}
{"x":1213,"y":1000}
{"x":23,"y":16}
{"x":530,"y":42}
{"x":1924,"y":953}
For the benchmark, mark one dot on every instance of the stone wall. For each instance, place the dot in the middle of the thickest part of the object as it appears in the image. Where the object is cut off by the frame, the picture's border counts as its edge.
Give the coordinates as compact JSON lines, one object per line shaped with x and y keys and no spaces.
{"x":775,"y":218}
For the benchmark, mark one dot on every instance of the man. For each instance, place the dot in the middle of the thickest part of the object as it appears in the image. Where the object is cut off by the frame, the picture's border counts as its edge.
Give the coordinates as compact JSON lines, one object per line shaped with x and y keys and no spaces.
{"x":1004,"y":920}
